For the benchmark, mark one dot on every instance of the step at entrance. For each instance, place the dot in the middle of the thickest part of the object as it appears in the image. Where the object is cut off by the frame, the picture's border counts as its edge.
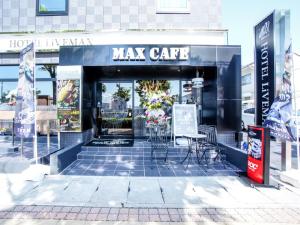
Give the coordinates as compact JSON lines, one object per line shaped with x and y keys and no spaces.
{"x":136,"y":161}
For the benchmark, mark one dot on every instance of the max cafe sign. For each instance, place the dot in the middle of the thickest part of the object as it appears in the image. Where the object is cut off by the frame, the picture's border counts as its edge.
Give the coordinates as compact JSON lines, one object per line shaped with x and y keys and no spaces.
{"x":152,"y":53}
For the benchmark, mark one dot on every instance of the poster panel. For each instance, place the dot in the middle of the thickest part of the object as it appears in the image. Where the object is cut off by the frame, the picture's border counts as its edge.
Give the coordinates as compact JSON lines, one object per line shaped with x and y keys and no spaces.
{"x":184,"y":119}
{"x":25,"y":101}
{"x":68,"y":105}
{"x":258,"y":154}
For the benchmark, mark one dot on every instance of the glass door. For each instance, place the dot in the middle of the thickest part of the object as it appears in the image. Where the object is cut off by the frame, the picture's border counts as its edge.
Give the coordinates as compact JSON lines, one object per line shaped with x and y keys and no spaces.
{"x":115,"y":109}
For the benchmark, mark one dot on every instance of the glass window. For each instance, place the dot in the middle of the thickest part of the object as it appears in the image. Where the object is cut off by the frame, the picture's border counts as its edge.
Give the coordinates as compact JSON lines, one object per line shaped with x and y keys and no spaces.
{"x":246,"y":79}
{"x":9,"y":72}
{"x":44,"y":92}
{"x":186,"y":92}
{"x":52,"y":7}
{"x":45,"y":71}
{"x":8,"y":91}
{"x":172,"y":6}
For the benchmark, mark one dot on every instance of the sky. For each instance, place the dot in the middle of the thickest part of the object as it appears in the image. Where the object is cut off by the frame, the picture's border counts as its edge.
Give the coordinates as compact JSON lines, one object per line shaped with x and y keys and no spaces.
{"x":240,"y":17}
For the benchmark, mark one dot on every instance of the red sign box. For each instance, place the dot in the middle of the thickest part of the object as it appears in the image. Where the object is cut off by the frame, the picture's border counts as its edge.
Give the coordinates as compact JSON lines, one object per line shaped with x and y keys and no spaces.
{"x":256,"y":154}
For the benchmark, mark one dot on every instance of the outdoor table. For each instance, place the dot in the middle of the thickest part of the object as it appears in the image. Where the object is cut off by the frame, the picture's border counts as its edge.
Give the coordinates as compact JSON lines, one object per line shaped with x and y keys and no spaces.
{"x":191,"y":139}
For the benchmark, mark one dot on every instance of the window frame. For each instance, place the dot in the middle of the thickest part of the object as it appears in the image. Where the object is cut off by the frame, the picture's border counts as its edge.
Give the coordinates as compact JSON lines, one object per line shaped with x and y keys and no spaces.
{"x":52,"y":13}
{"x":186,"y":10}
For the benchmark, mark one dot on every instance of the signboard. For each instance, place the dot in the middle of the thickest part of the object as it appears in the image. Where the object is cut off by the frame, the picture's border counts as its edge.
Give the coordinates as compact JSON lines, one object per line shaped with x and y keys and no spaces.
{"x":184,"y":119}
{"x":25,"y":101}
{"x":264,"y":67}
{"x":258,"y":154}
{"x":154,"y":54}
{"x":69,"y":98}
{"x":148,"y":54}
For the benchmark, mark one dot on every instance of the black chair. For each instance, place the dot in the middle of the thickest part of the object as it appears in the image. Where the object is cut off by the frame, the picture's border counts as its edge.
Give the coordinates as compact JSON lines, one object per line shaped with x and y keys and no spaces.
{"x":210,"y":144}
{"x":159,"y":140}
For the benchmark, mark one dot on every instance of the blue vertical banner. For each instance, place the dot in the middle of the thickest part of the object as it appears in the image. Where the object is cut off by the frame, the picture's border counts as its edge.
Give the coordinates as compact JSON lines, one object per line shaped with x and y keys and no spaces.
{"x":280,"y":118}
{"x":25,"y":101}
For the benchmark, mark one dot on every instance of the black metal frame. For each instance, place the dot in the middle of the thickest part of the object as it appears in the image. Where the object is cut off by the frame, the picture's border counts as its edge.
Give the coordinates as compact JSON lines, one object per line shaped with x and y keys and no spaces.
{"x":52,"y":13}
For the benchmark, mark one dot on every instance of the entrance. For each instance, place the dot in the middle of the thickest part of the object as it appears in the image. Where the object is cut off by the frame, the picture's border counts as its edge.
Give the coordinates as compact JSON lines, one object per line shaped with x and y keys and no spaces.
{"x":115,"y":103}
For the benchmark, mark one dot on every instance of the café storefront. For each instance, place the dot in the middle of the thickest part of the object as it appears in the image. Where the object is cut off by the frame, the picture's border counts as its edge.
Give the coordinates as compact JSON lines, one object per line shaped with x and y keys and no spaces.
{"x":102,"y":88}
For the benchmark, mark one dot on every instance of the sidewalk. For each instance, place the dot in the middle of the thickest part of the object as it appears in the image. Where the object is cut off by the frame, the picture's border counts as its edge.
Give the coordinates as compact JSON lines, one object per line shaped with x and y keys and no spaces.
{"x":139,"y":199}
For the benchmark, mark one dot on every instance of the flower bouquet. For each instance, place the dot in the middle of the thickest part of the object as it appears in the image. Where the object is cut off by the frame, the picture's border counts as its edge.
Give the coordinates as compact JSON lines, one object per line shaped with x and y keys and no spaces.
{"x":155,"y":117}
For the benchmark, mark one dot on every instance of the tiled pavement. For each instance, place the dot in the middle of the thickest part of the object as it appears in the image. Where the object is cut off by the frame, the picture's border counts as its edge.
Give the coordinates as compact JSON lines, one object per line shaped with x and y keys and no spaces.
{"x":219,"y":215}
{"x":136,"y":161}
{"x":148,"y":169}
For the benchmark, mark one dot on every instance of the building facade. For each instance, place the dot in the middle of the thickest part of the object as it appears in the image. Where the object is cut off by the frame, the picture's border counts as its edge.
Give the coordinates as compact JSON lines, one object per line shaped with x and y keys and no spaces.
{"x":85,"y":32}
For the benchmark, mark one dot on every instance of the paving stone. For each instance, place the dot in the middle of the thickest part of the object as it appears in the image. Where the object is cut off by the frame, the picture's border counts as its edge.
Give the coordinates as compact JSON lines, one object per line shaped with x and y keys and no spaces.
{"x":114,"y":211}
{"x":2,"y":215}
{"x":85,"y":210}
{"x":133,"y":217}
{"x":37,"y":208}
{"x":133,"y":211}
{"x":82,"y":216}
{"x":143,"y":218}
{"x":123,"y":217}
{"x":175,"y":218}
{"x":163,"y":211}
{"x":164,"y":217}
{"x":102,"y":216}
{"x":154,"y":218}
{"x":91,"y":217}
{"x":95,"y":210}
{"x":51,"y":215}
{"x":211,"y":211}
{"x":173,"y":211}
{"x":143,"y":211}
{"x":71,"y":216}
{"x":61,"y":215}
{"x":124,"y":211}
{"x":153,"y":211}
{"x":28,"y":208}
{"x":57,"y":209}
{"x":20,"y":208}
{"x":75,"y":209}
{"x":66,"y":209}
{"x":105,"y":210}
{"x":112,"y":217}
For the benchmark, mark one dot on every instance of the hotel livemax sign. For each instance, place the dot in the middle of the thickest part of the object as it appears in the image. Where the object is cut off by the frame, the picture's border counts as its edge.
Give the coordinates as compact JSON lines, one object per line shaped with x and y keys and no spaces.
{"x":265,"y":70}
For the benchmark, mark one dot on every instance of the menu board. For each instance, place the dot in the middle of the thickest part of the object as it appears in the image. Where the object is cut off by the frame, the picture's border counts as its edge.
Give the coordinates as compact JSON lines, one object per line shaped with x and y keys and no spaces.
{"x":68,"y":105}
{"x":184,"y":119}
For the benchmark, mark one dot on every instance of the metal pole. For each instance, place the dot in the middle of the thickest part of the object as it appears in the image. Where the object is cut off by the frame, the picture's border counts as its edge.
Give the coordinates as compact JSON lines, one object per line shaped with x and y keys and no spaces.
{"x":58,"y":134}
{"x":296,"y":109}
{"x":48,"y":135}
{"x":22,"y":146}
{"x":13,"y":132}
{"x":35,"y":109}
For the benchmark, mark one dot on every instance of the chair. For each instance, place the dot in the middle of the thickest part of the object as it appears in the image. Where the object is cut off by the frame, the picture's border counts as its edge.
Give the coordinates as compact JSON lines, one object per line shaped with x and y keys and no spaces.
{"x":159,"y":139}
{"x":210,"y":144}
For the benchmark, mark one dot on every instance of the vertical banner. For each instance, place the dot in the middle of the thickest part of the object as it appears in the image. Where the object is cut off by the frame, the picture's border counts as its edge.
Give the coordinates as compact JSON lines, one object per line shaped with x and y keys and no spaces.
{"x":264,"y":67}
{"x":258,"y":154}
{"x":25,"y":101}
{"x":280,"y":118}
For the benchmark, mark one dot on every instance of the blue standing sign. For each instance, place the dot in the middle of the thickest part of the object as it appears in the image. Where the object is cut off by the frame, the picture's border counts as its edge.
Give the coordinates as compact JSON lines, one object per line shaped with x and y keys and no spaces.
{"x":25,"y":101}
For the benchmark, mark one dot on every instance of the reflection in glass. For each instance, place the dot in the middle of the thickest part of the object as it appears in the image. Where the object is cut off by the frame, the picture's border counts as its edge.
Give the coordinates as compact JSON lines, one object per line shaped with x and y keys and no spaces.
{"x":52,"y":6}
{"x":115,"y":114}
